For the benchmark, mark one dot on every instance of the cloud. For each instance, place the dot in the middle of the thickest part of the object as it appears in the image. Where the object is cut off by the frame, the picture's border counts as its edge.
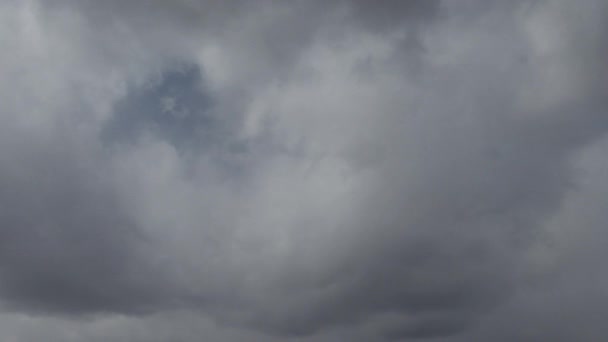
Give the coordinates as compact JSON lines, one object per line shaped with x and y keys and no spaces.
{"x":319,"y":171}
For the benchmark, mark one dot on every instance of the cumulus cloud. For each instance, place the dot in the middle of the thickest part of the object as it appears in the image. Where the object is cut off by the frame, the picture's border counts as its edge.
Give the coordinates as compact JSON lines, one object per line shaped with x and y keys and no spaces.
{"x":306,"y":170}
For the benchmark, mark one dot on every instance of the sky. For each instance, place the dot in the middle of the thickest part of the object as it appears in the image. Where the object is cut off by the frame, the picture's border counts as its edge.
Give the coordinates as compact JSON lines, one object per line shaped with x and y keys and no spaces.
{"x":305,"y":171}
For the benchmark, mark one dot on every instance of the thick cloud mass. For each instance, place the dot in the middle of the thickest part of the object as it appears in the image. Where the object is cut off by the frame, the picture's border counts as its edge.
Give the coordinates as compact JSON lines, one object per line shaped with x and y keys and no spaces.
{"x":306,"y":170}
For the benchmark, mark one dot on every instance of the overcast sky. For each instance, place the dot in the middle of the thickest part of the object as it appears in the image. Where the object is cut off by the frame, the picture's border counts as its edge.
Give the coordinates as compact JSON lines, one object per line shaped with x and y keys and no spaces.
{"x":306,"y":170}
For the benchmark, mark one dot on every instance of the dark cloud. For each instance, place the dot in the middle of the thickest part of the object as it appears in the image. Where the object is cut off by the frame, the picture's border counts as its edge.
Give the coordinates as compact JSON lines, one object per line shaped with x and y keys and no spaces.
{"x":385,"y":14}
{"x":311,"y":171}
{"x":67,"y":244}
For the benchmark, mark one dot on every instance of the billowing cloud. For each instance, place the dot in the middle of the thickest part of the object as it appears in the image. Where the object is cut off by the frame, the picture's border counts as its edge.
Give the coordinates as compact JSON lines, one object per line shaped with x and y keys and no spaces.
{"x":307,"y":170}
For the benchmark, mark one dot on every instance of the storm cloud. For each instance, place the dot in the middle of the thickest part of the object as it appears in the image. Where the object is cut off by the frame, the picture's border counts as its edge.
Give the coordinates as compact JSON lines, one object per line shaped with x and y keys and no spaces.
{"x":307,"y":170}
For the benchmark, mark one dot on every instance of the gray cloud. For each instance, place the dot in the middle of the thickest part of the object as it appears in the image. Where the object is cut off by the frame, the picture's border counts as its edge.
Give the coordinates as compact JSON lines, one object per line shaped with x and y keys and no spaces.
{"x":311,"y":171}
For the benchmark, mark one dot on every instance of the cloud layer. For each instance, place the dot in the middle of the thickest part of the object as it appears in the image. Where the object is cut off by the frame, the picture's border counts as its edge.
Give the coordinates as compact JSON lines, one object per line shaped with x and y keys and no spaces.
{"x":310,"y":170}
